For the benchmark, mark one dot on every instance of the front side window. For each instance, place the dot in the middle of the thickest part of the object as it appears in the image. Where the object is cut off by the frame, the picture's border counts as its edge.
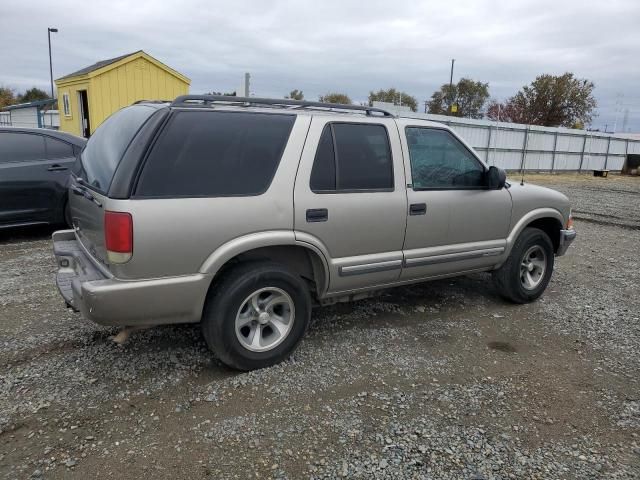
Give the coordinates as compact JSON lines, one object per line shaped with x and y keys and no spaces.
{"x":212,"y":154}
{"x":352,"y":156}
{"x":439,"y":160}
{"x":21,"y":147}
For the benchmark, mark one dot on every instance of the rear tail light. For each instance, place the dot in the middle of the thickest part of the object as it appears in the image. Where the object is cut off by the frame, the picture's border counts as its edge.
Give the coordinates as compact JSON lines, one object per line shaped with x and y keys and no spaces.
{"x":118,"y":236}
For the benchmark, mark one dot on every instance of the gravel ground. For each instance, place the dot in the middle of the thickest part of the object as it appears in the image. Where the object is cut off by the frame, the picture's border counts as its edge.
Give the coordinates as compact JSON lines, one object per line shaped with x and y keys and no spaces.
{"x":442,"y":380}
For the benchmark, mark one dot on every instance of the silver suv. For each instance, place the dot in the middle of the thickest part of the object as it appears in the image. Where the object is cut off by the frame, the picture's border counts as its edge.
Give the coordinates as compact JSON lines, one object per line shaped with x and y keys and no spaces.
{"x":242,"y":213}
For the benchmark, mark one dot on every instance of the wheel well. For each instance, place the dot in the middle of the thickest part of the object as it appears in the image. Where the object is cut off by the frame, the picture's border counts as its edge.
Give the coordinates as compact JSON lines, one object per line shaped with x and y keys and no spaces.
{"x":303,"y":261}
{"x":551,"y":227}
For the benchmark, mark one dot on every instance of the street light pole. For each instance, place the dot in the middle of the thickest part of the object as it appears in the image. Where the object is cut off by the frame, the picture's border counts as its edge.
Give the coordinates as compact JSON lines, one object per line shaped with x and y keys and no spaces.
{"x":453,"y":60}
{"x":49,"y":31}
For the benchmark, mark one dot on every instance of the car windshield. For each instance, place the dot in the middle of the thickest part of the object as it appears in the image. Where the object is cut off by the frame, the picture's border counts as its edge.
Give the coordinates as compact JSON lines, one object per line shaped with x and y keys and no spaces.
{"x":107,"y":145}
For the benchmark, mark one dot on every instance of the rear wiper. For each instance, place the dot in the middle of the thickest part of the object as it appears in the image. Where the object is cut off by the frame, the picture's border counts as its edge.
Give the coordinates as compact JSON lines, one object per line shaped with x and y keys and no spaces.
{"x":80,"y":180}
{"x":83,"y":191}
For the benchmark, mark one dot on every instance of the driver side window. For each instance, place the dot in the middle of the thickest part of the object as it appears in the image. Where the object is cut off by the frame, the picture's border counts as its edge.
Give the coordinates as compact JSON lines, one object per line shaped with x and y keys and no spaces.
{"x":439,"y":160}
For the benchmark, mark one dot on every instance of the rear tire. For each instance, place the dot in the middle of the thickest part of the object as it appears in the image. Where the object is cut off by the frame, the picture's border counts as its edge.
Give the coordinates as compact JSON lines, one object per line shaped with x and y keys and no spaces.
{"x":528,"y":269}
{"x":256,"y":315}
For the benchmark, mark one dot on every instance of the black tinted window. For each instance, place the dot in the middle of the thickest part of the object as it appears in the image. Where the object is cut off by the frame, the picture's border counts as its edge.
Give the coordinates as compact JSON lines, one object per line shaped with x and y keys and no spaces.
{"x":439,"y":160}
{"x":21,"y":147}
{"x":58,"y":148}
{"x":362,"y":160}
{"x":323,"y":174}
{"x":216,"y":154}
{"x":107,"y":145}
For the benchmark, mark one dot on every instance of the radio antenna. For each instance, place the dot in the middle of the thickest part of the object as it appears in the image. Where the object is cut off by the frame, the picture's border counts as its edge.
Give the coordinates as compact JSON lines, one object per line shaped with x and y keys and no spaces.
{"x":524,"y":153}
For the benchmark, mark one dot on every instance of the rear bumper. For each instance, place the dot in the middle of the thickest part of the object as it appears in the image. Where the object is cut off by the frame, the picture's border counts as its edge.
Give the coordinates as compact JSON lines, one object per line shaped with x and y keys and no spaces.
{"x":108,"y":301}
{"x":566,"y":238}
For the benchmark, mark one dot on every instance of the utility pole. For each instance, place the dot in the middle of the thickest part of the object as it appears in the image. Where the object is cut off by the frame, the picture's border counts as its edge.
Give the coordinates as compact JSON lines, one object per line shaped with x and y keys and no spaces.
{"x":49,"y":32}
{"x":617,"y":110}
{"x":625,"y":120}
{"x":247,"y":78}
{"x":453,"y":60}
{"x":426,"y":102}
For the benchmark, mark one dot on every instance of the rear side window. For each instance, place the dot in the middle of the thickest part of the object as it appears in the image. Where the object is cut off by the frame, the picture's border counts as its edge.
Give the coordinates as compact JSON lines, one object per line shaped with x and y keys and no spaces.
{"x":211,"y":154}
{"x":58,"y":149}
{"x":352,"y":156}
{"x":21,"y":147}
{"x":107,"y":145}
{"x":323,"y":173}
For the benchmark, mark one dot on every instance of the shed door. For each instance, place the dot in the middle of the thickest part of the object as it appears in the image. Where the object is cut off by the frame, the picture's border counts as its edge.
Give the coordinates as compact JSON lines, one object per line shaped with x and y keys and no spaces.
{"x":83,"y":101}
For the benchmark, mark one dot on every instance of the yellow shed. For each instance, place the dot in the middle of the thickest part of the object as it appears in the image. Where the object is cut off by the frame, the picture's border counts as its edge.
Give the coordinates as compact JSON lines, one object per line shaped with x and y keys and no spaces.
{"x":87,"y":97}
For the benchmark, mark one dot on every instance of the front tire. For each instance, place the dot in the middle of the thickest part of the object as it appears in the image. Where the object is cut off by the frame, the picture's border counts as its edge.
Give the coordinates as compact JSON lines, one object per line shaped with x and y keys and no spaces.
{"x":256,"y":315}
{"x":528,"y":269}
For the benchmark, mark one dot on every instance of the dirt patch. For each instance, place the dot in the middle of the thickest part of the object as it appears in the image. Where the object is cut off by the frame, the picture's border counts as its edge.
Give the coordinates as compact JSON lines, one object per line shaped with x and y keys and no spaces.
{"x":504,"y":347}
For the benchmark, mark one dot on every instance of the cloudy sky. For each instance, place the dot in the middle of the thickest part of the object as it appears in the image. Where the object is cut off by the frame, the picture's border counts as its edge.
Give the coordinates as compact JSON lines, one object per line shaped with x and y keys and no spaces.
{"x":345,"y":45}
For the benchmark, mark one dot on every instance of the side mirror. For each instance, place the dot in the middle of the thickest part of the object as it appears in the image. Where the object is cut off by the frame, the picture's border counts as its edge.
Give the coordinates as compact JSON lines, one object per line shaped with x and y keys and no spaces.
{"x":496,"y":178}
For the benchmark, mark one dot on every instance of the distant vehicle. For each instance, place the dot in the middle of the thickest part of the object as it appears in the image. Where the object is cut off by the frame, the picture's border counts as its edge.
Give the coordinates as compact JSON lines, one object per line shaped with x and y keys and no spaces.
{"x":35,"y":164}
{"x":242,"y":213}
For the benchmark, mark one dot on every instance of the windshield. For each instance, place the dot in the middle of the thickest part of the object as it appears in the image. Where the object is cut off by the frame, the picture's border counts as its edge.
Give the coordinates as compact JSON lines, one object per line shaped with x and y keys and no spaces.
{"x":107,"y":145}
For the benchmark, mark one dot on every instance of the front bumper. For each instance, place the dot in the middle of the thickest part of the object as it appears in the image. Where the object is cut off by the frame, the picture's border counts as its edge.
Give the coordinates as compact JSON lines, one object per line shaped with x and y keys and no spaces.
{"x":101,"y":298}
{"x":566,"y":238}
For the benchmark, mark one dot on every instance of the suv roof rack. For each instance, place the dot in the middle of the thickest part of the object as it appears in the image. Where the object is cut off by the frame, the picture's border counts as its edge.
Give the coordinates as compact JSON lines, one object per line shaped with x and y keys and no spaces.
{"x":199,"y":100}
{"x":150,"y":101}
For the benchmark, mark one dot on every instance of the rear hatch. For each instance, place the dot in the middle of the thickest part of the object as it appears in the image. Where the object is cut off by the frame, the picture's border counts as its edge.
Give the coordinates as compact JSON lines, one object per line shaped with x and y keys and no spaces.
{"x":94,"y":172}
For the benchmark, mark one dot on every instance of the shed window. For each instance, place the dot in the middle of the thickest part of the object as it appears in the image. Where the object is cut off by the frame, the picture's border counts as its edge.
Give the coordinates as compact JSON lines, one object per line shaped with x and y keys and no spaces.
{"x":65,"y":105}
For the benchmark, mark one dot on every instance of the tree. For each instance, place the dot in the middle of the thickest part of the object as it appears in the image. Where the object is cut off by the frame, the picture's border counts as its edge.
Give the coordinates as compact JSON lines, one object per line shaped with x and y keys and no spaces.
{"x":550,"y":101}
{"x":335,"y":98}
{"x":468,"y":95}
{"x":504,"y":112}
{"x":295,"y":95}
{"x":393,"y":96}
{"x":7,"y":97}
{"x":33,"y":95}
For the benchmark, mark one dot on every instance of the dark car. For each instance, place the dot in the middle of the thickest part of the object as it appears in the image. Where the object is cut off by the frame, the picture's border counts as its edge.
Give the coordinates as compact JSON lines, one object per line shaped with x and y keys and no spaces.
{"x":34,"y":172}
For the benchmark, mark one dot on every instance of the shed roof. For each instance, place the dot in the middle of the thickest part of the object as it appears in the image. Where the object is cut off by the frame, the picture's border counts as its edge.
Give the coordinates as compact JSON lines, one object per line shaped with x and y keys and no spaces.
{"x":98,"y":65}
{"x":105,"y":65}
{"x":36,"y":103}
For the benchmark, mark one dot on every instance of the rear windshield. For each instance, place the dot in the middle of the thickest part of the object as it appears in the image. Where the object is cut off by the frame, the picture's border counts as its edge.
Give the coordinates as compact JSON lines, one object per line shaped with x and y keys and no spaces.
{"x":213,"y":154}
{"x":107,"y":145}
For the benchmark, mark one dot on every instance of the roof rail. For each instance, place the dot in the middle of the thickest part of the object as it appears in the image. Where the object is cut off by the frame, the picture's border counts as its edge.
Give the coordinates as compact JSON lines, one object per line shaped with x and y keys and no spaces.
{"x":150,"y":101}
{"x":198,"y":100}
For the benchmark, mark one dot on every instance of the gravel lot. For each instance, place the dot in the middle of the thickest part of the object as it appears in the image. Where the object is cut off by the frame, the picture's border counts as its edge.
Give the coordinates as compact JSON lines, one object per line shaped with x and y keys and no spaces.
{"x":435,"y":381}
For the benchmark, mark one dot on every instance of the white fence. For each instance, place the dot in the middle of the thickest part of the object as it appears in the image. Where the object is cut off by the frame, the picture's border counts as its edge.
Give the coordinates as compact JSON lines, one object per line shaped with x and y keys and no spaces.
{"x":50,"y":119}
{"x":514,"y":146}
{"x":29,"y":119}
{"x":511,"y":146}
